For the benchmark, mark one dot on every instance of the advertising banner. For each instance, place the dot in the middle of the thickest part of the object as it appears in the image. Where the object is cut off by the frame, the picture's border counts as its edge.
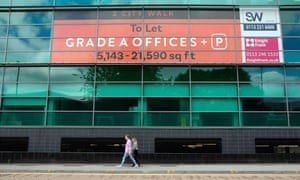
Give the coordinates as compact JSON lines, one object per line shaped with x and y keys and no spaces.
{"x":260,"y":30}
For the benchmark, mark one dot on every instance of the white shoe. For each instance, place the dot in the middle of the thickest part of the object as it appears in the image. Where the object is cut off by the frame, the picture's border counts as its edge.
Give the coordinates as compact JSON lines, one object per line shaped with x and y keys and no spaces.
{"x":119,"y":166}
{"x":136,"y":166}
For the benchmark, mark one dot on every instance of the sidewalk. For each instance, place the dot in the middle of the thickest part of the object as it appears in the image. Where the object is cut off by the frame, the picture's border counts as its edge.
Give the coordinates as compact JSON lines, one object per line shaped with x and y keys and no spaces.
{"x":275,"y":168}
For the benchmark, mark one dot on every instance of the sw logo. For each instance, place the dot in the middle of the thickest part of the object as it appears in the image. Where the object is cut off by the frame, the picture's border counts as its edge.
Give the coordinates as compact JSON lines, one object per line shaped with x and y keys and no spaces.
{"x":254,"y":16}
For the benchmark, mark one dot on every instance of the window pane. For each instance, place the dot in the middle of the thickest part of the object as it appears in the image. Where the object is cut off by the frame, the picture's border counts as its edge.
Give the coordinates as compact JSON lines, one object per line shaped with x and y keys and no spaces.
{"x":29,"y":31}
{"x":214,"y":90}
{"x":291,"y":29}
{"x":70,"y":118}
{"x":22,"y":118}
{"x":166,"y":90}
{"x":1,"y":74}
{"x":75,"y":14}
{"x":76,"y":2}
{"x":2,"y":58}
{"x":261,"y":74}
{"x":3,"y":17}
{"x":294,"y":104}
{"x":29,"y":57}
{"x":292,"y":74}
{"x":167,"y":104}
{"x":262,"y":90}
{"x":290,"y":16}
{"x":118,"y":73}
{"x":171,"y":74}
{"x":291,"y":43}
{"x":167,"y":119}
{"x":117,"y":119}
{"x":289,"y":2}
{"x":295,"y":119}
{"x":117,"y":104}
{"x":76,"y":90}
{"x":215,"y":119}
{"x":26,"y":44}
{"x":70,"y":103}
{"x":214,"y":74}
{"x":255,"y":2}
{"x":32,"y":3}
{"x":214,"y":105}
{"x":263,"y":104}
{"x":25,"y":89}
{"x":264,"y":119}
{"x":31,"y":17}
{"x":118,"y":90}
{"x":2,"y":44}
{"x":72,"y":74}
{"x":24,"y":104}
{"x":293,"y":90}
{"x":214,"y":13}
{"x":292,"y":56}
{"x":26,"y":74}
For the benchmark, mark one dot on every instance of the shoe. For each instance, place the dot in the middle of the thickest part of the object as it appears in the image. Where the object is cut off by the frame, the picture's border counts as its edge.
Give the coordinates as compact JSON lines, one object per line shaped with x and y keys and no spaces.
{"x":119,"y":166}
{"x":136,"y":166}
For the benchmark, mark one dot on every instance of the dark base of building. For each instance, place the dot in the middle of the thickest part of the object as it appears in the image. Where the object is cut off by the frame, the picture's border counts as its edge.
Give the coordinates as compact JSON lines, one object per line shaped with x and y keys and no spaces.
{"x":16,"y":157}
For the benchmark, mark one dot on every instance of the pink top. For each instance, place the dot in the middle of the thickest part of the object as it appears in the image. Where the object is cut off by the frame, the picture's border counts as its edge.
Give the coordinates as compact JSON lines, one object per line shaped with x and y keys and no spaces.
{"x":128,"y":146}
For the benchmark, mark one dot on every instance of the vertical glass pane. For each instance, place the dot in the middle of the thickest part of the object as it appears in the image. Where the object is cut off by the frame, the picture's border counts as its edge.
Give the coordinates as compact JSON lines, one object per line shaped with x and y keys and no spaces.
{"x":293,"y":90}
{"x":70,"y":118}
{"x":291,"y":43}
{"x":264,"y":119}
{"x":25,"y":89}
{"x":294,"y":104}
{"x":262,"y":90}
{"x":2,"y":44}
{"x":214,"y":105}
{"x":290,"y":16}
{"x":3,"y":33}
{"x":22,"y":118}
{"x":2,"y":57}
{"x":118,"y":90}
{"x":214,"y":74}
{"x":261,"y":74}
{"x":118,"y":73}
{"x":28,"y":57}
{"x":215,"y":119}
{"x":295,"y":119}
{"x":26,"y":74}
{"x":76,"y":90}
{"x":167,"y":119}
{"x":31,"y":17}
{"x":3,"y":17}
{"x":117,"y":119}
{"x":293,"y":74}
{"x":171,"y":74}
{"x":72,"y":74}
{"x":292,"y":56}
{"x":166,"y":90}
{"x":291,"y":29}
{"x":214,"y":90}
{"x":32,"y":3}
{"x":1,"y":74}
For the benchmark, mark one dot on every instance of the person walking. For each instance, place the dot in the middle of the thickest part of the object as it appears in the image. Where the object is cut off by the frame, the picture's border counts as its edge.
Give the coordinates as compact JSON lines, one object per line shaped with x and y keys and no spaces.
{"x":128,"y":152}
{"x":135,"y":149}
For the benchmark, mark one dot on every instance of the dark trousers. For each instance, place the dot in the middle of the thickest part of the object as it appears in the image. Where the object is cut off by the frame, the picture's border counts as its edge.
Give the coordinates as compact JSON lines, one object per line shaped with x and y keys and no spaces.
{"x":135,"y":156}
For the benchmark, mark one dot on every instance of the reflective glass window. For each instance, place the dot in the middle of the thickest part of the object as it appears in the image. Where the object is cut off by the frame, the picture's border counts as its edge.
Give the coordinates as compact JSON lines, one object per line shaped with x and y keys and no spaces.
{"x":3,"y":32}
{"x":3,"y":17}
{"x":28,"y":57}
{"x":214,"y":105}
{"x":166,"y":90}
{"x":178,"y":119}
{"x":215,"y":14}
{"x":262,"y":90}
{"x":69,"y":118}
{"x":32,"y":3}
{"x":31,"y":17}
{"x":22,"y":118}
{"x":214,"y":90}
{"x":167,"y":104}
{"x":1,"y":73}
{"x":26,"y":44}
{"x":2,"y":57}
{"x":29,"y":31}
{"x":292,"y":56}
{"x":76,"y":2}
{"x":26,"y":74}
{"x":117,"y":119}
{"x":292,"y":74}
{"x":170,"y":74}
{"x":255,"y":2}
{"x":5,"y":2}
{"x":293,"y":90}
{"x":220,"y":119}
{"x":214,"y":74}
{"x":289,"y":2}
{"x":72,"y":74}
{"x":70,"y":104}
{"x":261,"y":74}
{"x":118,"y":104}
{"x":291,"y":43}
{"x":291,"y":29}
{"x":25,"y":89}
{"x":118,"y":73}
{"x":294,"y":104}
{"x":295,"y":119}
{"x":118,"y":89}
{"x":2,"y":44}
{"x":290,"y":16}
{"x":263,"y":104}
{"x":24,"y":104}
{"x":81,"y":91}
{"x":264,"y":119}
{"x":75,"y":14}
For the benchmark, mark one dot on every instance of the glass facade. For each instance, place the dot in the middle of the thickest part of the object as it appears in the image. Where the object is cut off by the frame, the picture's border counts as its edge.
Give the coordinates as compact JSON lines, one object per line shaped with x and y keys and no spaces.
{"x":44,"y":86}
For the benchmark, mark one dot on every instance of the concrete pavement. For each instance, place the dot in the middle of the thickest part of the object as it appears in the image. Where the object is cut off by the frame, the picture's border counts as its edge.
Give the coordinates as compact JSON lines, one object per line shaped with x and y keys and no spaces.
{"x":274,"y":168}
